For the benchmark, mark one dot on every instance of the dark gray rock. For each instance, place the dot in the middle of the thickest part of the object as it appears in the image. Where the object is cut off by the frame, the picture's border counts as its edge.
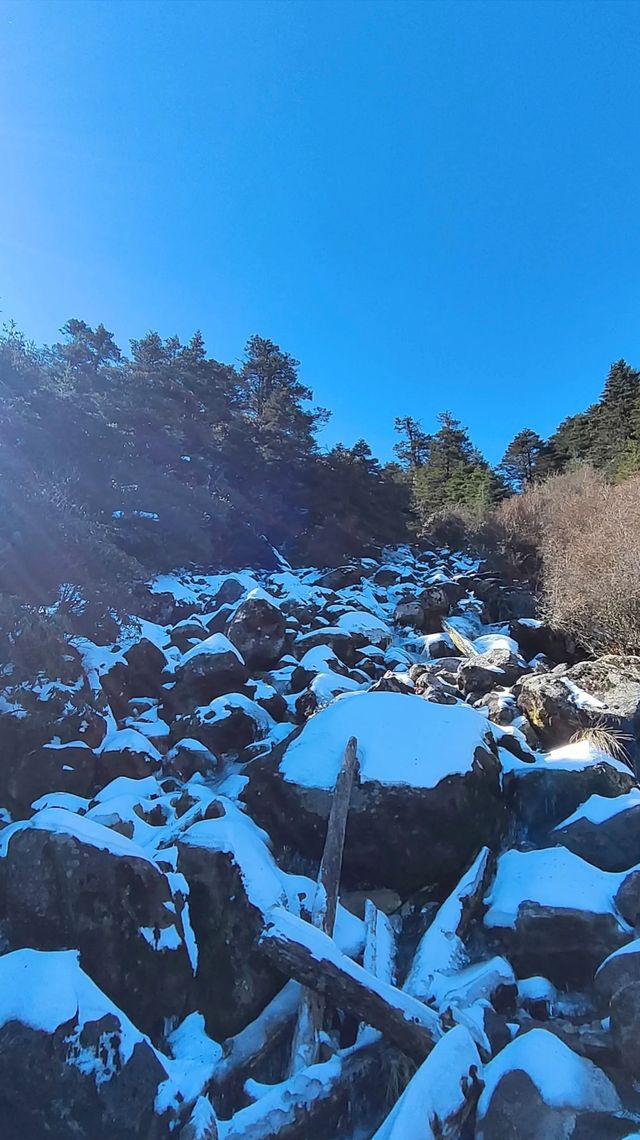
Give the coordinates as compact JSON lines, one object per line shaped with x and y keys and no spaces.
{"x":258,"y":631}
{"x":60,"y":890}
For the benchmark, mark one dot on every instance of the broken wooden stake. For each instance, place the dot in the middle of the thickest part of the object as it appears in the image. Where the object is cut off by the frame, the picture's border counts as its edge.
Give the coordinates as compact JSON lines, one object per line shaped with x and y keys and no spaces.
{"x":306,"y":1037}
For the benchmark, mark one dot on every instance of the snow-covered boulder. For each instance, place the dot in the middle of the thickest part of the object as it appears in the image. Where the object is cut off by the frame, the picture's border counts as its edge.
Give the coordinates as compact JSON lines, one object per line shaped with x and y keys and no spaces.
{"x":496,"y":666}
{"x":550,"y":789}
{"x":554,"y":914}
{"x":618,"y":970}
{"x":234,"y":882}
{"x":66,"y":880}
{"x":126,"y":752}
{"x":258,"y":630}
{"x":427,"y":798}
{"x":226,"y":724}
{"x":71,"y":1062}
{"x":605,"y":831}
{"x":537,"y":1086}
{"x":209,"y":669}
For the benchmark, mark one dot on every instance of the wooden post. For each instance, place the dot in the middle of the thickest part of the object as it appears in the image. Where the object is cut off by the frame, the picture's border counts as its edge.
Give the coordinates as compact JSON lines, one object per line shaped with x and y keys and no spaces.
{"x":306,"y":1037}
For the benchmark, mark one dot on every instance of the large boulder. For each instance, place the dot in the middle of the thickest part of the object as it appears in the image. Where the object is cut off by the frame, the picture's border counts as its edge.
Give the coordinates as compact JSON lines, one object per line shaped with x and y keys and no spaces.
{"x":618,"y":970}
{"x":53,"y":767}
{"x":209,"y":669}
{"x":234,"y":882}
{"x":66,"y":881}
{"x":537,"y":1087}
{"x":71,"y":1063}
{"x":126,"y":752}
{"x":258,"y":631}
{"x":605,"y":831}
{"x":554,"y":914}
{"x":427,"y":797}
{"x":547,"y":791}
{"x":604,"y":694}
{"x":226,"y":725}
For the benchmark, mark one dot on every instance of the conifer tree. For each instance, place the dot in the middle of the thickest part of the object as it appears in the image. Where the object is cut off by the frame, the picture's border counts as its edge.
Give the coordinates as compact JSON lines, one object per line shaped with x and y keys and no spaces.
{"x":414,"y":444}
{"x":521,"y":461}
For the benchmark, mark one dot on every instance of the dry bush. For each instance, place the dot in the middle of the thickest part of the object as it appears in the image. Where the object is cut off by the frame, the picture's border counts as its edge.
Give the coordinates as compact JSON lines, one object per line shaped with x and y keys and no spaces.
{"x":591,"y":560}
{"x":605,"y":739}
{"x":584,"y":533}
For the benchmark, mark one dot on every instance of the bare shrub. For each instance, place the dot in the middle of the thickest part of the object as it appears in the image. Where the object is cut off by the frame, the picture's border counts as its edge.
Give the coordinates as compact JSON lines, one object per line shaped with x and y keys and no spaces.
{"x":584,"y":532}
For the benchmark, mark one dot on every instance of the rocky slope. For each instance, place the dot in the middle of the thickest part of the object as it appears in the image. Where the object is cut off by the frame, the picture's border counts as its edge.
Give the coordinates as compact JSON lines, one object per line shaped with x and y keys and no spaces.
{"x":165,"y":804}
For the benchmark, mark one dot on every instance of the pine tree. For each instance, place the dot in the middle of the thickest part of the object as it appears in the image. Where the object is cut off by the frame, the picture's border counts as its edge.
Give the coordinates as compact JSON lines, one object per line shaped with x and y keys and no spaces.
{"x":414,"y":444}
{"x":86,"y":349}
{"x":521,"y":461}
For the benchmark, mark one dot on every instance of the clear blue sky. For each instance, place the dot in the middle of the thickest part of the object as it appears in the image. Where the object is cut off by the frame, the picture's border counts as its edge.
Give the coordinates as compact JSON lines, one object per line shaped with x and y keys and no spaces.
{"x":432,"y":205}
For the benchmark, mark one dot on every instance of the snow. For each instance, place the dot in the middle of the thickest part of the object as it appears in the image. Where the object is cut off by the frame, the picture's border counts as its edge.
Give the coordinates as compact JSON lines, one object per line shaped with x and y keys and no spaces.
{"x":401,"y":740}
{"x":127,"y":786}
{"x":216,"y":644}
{"x":47,"y":989}
{"x":63,"y":822}
{"x":489,"y":641}
{"x":580,"y":697}
{"x":130,"y":740}
{"x":436,"y":1090}
{"x":552,"y":877}
{"x":599,"y":809}
{"x":563,"y":1079}
{"x":366,"y":624}
{"x":630,"y":948}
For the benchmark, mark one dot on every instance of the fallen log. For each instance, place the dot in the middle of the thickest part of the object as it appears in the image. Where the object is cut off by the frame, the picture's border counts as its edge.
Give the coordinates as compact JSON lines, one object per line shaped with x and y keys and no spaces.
{"x":320,"y":1101}
{"x":305,"y":1048}
{"x":311,"y":957}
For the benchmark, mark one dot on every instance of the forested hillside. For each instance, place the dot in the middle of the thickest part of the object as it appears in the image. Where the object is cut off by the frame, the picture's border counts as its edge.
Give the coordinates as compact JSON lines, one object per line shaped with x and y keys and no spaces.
{"x":116,"y":466}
